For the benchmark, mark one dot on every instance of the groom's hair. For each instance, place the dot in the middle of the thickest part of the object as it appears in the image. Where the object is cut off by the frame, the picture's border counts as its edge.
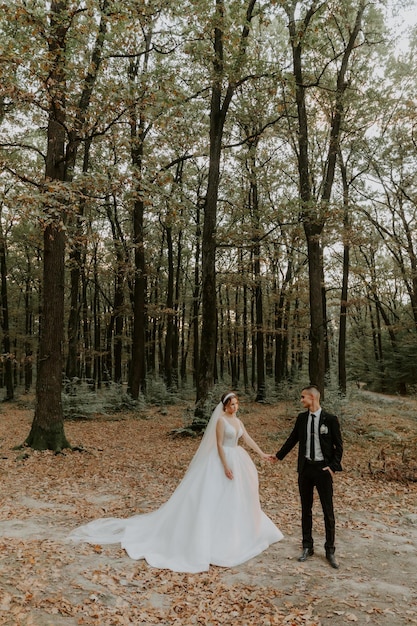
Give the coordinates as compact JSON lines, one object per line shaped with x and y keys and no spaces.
{"x":313,"y":389}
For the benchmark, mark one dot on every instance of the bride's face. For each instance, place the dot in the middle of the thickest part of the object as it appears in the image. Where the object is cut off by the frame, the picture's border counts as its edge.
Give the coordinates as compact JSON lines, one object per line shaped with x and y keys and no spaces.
{"x":232,"y":406}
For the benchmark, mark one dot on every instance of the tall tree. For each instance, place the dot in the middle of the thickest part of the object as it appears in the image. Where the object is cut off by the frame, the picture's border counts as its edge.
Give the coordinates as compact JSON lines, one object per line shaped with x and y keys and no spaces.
{"x":4,"y":316}
{"x":314,"y":209}
{"x":139,"y":128}
{"x":47,"y":431}
{"x":342,"y":376}
{"x":76,"y":223}
{"x":255,"y":210}
{"x":221,"y":98}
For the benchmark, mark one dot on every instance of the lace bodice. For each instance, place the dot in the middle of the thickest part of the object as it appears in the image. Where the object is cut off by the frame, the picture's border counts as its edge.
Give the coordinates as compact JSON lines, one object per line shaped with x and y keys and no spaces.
{"x":231,"y":436}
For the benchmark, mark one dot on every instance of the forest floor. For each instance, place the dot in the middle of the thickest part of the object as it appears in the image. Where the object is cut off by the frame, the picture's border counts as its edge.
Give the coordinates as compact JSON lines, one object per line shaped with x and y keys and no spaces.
{"x":131,"y":464}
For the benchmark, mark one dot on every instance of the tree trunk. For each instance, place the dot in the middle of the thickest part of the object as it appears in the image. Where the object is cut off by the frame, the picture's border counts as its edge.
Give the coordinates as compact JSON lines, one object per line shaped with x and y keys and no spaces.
{"x":312,"y":223}
{"x":196,"y":295}
{"x":118,"y":324}
{"x":8,"y":373}
{"x":345,"y":282}
{"x":245,"y":340}
{"x":281,"y":327}
{"x":176,"y":325}
{"x":218,"y":113}
{"x":260,"y":360}
{"x":137,"y":378}
{"x":185,"y":342}
{"x":76,"y":263}
{"x":231,"y":348}
{"x":205,"y":374}
{"x":98,"y":356}
{"x":47,"y":430}
{"x":313,"y":210}
{"x":119,"y":297}
{"x":77,"y":254}
{"x":137,"y":374}
{"x":28,"y":359}
{"x":86,"y":322}
{"x":169,"y":334}
{"x":317,"y":363}
{"x":72,"y":369}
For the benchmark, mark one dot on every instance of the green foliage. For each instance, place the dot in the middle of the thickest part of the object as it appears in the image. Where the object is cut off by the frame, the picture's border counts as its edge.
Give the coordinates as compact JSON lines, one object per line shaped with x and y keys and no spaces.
{"x":158,"y":395}
{"x":81,"y":401}
{"x":157,"y":68}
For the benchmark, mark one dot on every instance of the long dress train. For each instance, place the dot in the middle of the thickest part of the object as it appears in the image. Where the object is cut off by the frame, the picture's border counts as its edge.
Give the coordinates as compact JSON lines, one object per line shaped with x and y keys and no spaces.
{"x":209,"y":519}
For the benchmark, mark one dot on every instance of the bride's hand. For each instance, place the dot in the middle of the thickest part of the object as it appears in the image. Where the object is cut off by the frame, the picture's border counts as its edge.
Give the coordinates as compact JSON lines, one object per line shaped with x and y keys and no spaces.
{"x":228,"y":473}
{"x":271,"y":458}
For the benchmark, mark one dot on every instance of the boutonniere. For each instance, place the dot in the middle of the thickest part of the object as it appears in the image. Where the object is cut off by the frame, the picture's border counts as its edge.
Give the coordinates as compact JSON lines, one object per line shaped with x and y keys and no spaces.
{"x":323,"y":429}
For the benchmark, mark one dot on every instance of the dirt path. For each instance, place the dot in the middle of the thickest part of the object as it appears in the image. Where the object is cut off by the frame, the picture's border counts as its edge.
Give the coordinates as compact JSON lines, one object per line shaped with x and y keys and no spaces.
{"x":131,"y":466}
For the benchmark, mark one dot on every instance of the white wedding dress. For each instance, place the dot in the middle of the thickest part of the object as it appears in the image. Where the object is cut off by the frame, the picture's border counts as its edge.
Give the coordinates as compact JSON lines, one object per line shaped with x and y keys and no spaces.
{"x":209,"y":519}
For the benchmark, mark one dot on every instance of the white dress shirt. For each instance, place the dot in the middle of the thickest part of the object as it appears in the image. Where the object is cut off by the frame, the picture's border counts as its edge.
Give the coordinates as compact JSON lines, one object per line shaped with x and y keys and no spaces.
{"x":317,"y":448}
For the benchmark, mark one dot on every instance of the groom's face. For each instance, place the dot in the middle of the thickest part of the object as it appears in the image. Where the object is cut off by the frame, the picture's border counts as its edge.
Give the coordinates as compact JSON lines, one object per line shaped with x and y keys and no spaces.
{"x":306,"y":399}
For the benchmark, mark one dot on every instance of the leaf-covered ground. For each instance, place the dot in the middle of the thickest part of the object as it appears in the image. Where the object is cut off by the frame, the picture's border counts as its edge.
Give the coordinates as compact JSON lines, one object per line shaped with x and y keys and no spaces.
{"x":131,"y":465}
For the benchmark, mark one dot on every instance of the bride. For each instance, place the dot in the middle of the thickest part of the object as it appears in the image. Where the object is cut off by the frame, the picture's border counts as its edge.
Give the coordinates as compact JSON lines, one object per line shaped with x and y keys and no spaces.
{"x":214,"y":515}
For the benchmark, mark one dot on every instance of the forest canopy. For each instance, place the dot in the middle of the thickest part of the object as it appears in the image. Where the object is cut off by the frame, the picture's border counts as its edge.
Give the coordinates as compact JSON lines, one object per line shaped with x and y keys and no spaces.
{"x":198,"y":191}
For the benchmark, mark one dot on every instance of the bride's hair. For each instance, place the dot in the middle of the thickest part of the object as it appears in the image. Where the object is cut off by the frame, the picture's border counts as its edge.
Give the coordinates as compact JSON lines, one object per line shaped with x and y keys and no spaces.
{"x":226,"y":397}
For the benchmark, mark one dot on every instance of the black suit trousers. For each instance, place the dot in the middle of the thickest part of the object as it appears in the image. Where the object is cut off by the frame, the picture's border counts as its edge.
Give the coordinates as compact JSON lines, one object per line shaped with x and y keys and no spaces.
{"x":313,"y":476}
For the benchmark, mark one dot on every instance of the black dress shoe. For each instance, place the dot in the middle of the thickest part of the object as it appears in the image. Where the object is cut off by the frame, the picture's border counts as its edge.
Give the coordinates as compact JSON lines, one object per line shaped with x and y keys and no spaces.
{"x":305,"y":554}
{"x":332,"y":561}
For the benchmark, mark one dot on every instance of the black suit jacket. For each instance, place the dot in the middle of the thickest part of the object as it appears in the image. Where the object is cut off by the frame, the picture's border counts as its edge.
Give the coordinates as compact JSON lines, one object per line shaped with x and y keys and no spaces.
{"x":330,"y":440}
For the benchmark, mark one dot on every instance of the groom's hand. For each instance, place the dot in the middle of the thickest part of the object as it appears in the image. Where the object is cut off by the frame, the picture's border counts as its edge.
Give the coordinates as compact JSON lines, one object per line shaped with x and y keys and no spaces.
{"x":272,"y":458}
{"x":328,"y":469}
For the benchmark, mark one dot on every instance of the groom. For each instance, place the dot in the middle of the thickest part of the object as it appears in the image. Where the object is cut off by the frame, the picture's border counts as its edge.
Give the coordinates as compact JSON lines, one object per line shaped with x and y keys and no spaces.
{"x":320,"y":450}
